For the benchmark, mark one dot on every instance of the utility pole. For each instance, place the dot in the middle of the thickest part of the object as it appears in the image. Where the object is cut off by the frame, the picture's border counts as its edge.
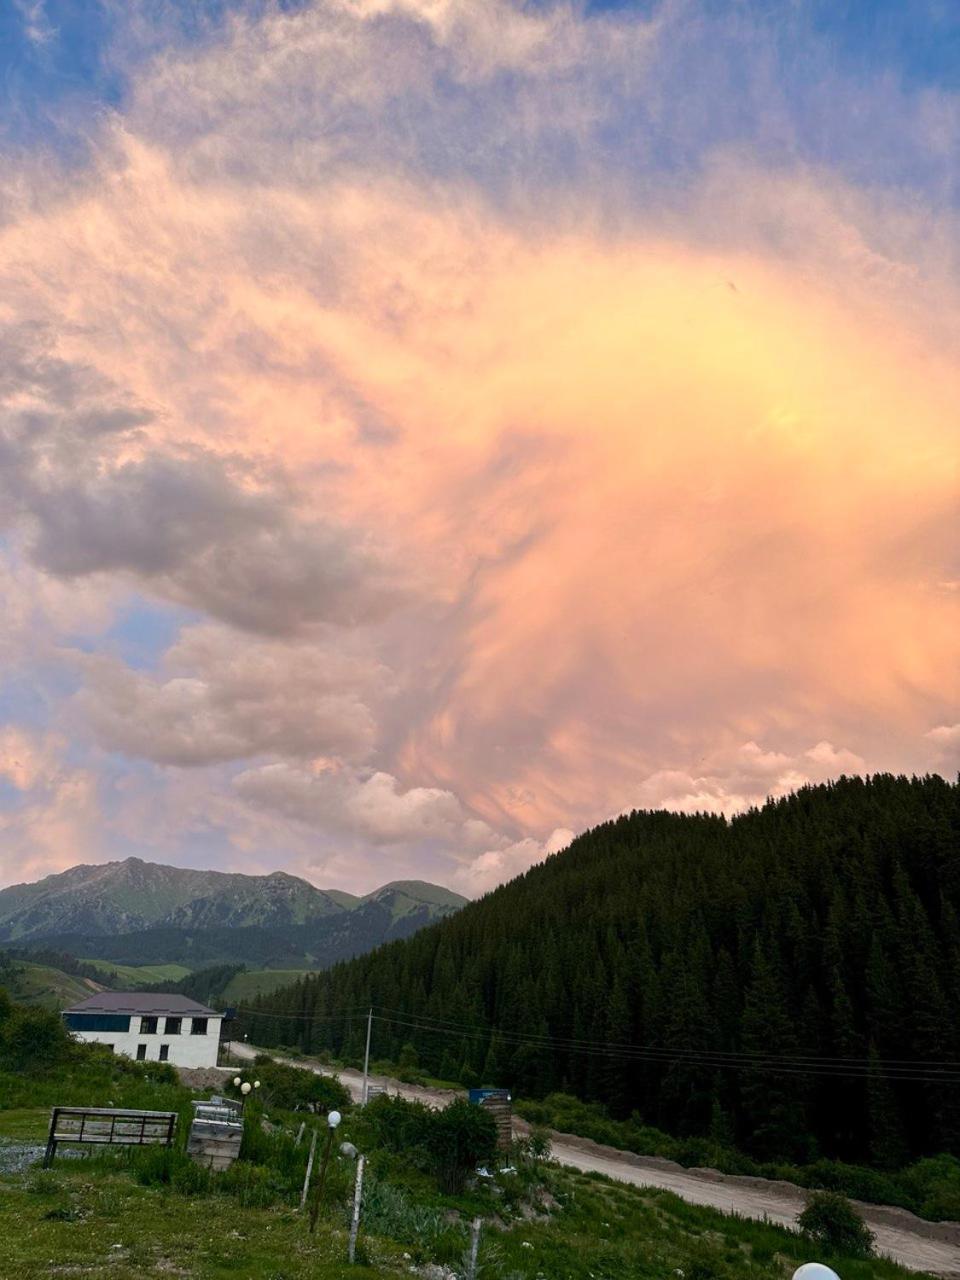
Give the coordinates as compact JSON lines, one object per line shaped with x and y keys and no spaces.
{"x":366,"y":1060}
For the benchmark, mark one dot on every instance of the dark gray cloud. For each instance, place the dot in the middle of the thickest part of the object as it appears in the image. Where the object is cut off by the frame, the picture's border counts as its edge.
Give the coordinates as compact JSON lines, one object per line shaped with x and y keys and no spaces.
{"x":193,"y":526}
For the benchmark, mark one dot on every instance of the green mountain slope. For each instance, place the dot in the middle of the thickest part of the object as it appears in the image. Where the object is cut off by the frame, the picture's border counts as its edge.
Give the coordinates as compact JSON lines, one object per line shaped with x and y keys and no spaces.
{"x":119,"y":897}
{"x":789,"y":980}
{"x":43,"y":984}
{"x":136,"y":913}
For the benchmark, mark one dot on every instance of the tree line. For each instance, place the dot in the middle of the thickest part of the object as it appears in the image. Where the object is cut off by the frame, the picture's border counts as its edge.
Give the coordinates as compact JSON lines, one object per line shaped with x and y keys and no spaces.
{"x":788,"y":980}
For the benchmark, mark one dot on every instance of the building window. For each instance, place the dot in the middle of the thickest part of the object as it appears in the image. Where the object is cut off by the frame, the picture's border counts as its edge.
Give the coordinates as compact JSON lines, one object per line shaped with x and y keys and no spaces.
{"x":141,"y":1052}
{"x":97,"y":1021}
{"x":149,"y":1026}
{"x":198,"y":1027}
{"x":173,"y":1026}
{"x":164,"y":1052}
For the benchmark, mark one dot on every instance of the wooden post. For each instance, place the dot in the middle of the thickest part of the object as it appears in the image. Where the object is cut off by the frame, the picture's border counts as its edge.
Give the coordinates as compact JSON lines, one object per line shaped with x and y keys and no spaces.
{"x":474,"y":1247}
{"x":306,"y":1181}
{"x":317,"y":1199}
{"x":51,"y":1150}
{"x":355,"y":1220}
{"x":303,"y":1125}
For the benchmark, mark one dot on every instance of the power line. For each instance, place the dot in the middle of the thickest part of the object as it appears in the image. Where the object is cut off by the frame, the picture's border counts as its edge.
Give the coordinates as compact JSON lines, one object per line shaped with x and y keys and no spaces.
{"x":567,"y":1041}
{"x":907,"y":1071}
{"x":770,"y":1064}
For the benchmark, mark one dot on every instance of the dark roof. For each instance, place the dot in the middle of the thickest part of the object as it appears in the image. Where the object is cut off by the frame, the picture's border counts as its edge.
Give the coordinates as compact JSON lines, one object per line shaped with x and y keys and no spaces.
{"x":148,"y":1002}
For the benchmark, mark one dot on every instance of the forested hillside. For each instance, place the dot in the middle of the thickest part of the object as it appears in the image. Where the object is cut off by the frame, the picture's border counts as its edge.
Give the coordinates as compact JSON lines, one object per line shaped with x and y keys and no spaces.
{"x":789,"y":980}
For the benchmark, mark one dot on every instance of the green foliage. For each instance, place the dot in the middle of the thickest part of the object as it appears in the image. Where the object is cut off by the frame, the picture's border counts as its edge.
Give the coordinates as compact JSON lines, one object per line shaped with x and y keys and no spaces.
{"x":33,"y":1038}
{"x":458,"y":1138}
{"x":933,"y":1187}
{"x":833,"y":1225}
{"x":393,"y":1124}
{"x":426,"y":1231}
{"x":537,"y":1145}
{"x":292,"y":1088}
{"x":448,"y":1143}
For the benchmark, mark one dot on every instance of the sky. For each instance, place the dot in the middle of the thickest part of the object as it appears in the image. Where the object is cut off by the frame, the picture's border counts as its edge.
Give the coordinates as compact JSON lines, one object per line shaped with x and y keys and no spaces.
{"x":431,"y":427}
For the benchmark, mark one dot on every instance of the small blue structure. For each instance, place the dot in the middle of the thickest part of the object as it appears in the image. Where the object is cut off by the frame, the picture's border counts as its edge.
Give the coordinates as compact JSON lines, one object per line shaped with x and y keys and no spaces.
{"x":480,"y":1095}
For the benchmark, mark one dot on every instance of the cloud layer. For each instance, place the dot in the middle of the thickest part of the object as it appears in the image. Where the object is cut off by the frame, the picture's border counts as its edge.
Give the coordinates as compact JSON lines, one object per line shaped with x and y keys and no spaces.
{"x":511,"y":436}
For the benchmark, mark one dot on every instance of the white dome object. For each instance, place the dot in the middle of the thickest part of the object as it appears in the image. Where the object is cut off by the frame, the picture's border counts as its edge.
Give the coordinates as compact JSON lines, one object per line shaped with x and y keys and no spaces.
{"x":245,"y":1088}
{"x":236,"y":1081}
{"x":814,"y":1271}
{"x":349,"y":1150}
{"x":256,"y":1084}
{"x":333,"y":1119}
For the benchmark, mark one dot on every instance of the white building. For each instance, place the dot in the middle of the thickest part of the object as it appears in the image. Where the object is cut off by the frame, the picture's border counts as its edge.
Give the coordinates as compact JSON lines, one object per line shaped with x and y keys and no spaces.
{"x":149,"y":1026}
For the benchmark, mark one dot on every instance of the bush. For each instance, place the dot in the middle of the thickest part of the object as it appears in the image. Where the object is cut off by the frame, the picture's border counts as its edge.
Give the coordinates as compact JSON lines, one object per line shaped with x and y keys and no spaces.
{"x":458,"y":1139}
{"x":291,"y":1088}
{"x":832,"y":1223}
{"x":33,"y":1039}
{"x":395,"y":1124}
{"x":934,"y":1186}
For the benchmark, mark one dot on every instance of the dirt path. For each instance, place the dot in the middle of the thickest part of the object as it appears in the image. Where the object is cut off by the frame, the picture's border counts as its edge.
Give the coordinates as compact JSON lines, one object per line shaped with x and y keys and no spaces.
{"x":907,"y":1239}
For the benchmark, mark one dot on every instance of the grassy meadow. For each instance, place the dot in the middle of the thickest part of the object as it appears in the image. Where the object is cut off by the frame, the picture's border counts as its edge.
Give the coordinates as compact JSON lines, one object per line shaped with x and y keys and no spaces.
{"x":136,"y":1214}
{"x":141,"y":975}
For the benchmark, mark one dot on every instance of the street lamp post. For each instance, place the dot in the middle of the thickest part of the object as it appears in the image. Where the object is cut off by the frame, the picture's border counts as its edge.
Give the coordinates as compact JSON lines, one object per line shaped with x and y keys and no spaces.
{"x":333,"y":1120}
{"x":245,"y":1087}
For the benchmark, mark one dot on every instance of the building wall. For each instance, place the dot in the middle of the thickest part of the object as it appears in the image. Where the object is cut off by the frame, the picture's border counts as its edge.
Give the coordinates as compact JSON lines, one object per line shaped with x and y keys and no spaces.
{"x":186,"y":1049}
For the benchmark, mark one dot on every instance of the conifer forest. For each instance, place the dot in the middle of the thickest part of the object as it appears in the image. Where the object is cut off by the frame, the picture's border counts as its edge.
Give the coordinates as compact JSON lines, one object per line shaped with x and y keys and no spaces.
{"x":788,"y":980}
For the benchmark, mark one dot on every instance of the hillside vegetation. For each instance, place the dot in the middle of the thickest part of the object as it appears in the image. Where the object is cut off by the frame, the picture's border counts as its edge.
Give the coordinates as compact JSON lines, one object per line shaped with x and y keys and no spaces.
{"x":51,"y":982}
{"x":135,"y":1213}
{"x":786,"y":981}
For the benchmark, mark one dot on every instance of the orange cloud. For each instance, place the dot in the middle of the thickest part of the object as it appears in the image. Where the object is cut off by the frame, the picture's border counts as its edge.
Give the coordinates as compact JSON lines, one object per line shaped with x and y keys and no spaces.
{"x":654,"y":488}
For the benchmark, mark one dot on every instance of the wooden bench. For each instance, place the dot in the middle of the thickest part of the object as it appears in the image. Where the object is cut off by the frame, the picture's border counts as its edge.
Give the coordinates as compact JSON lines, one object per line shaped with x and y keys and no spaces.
{"x":104,"y":1126}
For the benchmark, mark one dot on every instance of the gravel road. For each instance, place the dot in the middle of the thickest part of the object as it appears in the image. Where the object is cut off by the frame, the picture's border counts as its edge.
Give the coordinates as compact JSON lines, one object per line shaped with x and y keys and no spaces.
{"x":907,"y":1239}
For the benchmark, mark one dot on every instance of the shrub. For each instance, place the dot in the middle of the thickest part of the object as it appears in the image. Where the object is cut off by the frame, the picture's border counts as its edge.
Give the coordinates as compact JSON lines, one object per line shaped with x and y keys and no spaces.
{"x":292,"y":1088}
{"x":33,"y":1039}
{"x":934,"y":1185}
{"x":458,"y":1139}
{"x":832,"y":1223}
{"x":396,"y":1124}
{"x":533,"y":1149}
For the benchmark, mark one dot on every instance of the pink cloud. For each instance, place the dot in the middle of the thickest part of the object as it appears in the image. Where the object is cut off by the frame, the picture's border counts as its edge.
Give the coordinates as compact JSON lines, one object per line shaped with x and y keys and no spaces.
{"x":505,"y":509}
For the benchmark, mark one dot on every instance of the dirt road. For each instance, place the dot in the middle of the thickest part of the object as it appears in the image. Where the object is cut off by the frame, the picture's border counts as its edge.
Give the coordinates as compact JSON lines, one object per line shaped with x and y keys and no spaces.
{"x":911,"y":1241}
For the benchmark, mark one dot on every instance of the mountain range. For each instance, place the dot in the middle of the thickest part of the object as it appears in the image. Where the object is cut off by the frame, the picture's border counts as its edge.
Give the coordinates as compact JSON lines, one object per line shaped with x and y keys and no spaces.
{"x":142,"y":912}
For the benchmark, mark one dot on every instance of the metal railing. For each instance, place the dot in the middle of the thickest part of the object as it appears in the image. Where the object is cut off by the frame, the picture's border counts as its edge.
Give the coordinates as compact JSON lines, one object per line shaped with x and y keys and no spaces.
{"x":105,"y":1126}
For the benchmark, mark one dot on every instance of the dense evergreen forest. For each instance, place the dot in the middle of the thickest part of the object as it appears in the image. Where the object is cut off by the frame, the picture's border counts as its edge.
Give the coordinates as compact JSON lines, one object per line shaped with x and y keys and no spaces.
{"x":788,"y":980}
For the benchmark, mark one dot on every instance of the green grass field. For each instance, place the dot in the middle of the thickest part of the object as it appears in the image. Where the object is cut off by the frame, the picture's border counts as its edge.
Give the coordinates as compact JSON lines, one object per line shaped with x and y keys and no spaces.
{"x":151,"y":1213}
{"x":97,"y":1218}
{"x":141,"y":975}
{"x":258,"y":982}
{"x":41,"y":984}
